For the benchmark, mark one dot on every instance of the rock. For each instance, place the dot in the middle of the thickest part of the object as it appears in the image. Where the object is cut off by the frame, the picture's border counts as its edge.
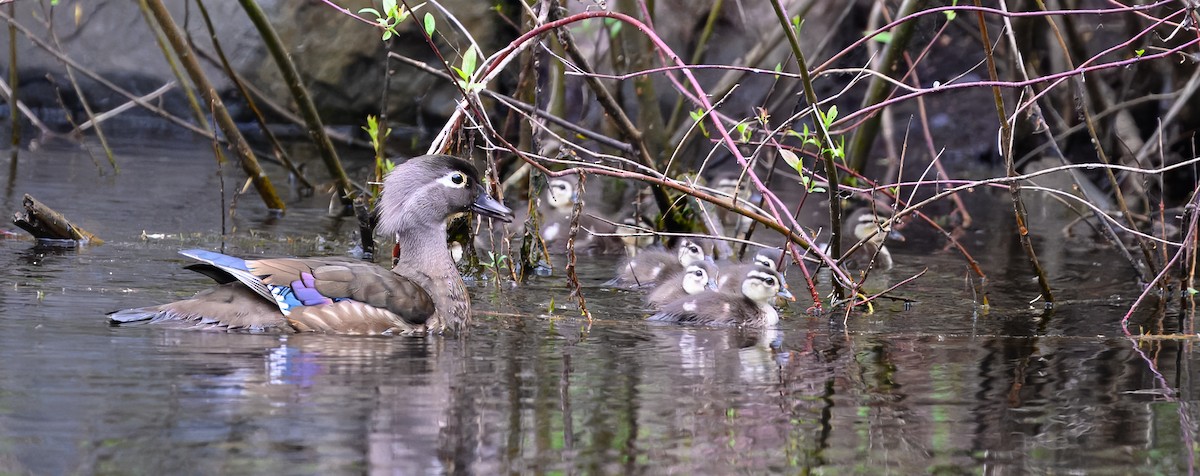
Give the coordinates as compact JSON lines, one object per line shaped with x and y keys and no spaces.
{"x":340,"y":58}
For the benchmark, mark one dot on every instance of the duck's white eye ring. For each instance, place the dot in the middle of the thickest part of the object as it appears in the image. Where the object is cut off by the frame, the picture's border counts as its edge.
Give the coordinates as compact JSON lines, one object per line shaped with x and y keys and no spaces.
{"x":769,"y":281}
{"x":454,"y":179}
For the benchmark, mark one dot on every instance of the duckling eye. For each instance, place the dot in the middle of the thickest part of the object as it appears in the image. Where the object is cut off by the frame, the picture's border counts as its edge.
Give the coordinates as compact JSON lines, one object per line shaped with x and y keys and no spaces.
{"x":458,"y":178}
{"x":769,"y":281}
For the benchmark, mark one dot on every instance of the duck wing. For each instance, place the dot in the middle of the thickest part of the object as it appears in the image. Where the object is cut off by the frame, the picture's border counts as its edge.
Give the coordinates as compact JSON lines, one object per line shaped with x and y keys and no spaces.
{"x":322,"y":281}
{"x":309,"y":294}
{"x":229,"y":307}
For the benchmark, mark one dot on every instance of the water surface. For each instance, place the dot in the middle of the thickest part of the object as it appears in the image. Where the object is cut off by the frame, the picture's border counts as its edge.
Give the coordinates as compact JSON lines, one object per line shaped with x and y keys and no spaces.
{"x":939,"y":386}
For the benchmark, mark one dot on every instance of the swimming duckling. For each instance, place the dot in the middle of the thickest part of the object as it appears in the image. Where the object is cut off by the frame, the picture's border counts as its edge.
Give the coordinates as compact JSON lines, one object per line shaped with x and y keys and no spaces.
{"x":650,"y":266}
{"x":872,"y":227}
{"x":561,"y":195}
{"x":693,"y":280}
{"x":632,"y":234}
{"x":750,"y":307}
{"x":736,"y":188}
{"x":763,"y":258}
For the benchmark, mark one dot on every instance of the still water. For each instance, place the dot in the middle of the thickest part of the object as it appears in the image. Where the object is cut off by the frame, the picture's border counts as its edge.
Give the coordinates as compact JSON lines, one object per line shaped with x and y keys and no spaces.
{"x":942,"y":386}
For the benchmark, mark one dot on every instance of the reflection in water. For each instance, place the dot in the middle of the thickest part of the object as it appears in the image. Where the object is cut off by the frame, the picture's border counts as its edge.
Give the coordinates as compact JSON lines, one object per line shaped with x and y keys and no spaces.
{"x":942,"y":388}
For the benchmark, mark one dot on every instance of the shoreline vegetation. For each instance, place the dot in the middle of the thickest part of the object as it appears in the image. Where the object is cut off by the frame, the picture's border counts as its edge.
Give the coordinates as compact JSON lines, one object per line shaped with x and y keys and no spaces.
{"x":751,"y":125}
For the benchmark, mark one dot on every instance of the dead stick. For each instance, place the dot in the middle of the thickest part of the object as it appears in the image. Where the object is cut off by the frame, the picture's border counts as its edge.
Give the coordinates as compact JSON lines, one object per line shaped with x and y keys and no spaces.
{"x":85,"y":125}
{"x":46,"y":224}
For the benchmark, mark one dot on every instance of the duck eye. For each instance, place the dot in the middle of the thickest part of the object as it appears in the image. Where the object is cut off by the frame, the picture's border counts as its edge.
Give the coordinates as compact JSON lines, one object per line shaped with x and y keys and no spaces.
{"x":769,"y":281}
{"x":454,"y":179}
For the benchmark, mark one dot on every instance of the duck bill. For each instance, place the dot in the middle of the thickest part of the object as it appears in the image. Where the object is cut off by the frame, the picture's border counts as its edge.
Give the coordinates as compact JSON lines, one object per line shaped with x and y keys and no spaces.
{"x":895,"y":235}
{"x":786,"y":294}
{"x":489,"y":207}
{"x":712,"y":285}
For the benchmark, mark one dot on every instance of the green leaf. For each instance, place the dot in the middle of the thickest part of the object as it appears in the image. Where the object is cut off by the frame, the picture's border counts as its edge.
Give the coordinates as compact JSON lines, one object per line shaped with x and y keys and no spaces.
{"x":614,"y":26}
{"x":1140,"y":52}
{"x":698,"y":116}
{"x":792,"y":160}
{"x":371,"y":11}
{"x":744,"y":131}
{"x":1192,"y":291}
{"x":884,"y":37}
{"x":389,"y":7}
{"x":830,"y":116}
{"x":468,"y":61}
{"x":372,"y":127}
{"x":387,"y":34}
{"x":817,"y":190}
{"x":430,"y":27}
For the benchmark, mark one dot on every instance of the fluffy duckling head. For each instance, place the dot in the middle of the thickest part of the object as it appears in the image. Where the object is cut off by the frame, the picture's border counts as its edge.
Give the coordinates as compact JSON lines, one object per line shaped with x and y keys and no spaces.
{"x":560,"y":194}
{"x":699,"y":276}
{"x":768,"y":258}
{"x":690,"y":252}
{"x":762,"y":285}
{"x":875,"y":227}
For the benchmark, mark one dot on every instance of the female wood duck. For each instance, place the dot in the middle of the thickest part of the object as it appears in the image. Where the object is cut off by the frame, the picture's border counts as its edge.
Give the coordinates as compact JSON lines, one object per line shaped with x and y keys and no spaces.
{"x":422,"y":293}
{"x":751,"y":306}
{"x":871,"y":227}
{"x":693,"y":280}
{"x":651,"y":266}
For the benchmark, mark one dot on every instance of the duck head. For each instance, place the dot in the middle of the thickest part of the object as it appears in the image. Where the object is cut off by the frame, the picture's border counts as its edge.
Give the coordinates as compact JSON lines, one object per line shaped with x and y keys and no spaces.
{"x":874,"y":227}
{"x":425,"y":190}
{"x":699,"y":277}
{"x":762,"y":285}
{"x":561,"y":194}
{"x":690,"y":252}
{"x":768,"y":257}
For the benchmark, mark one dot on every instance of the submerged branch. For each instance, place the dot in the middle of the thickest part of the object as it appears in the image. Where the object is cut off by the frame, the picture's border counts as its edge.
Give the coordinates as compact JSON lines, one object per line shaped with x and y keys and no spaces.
{"x":46,"y":224}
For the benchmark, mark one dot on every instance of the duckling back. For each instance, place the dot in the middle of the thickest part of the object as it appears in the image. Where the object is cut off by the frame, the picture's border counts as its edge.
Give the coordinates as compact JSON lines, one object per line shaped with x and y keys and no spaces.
{"x":694,"y":280}
{"x":650,"y":266}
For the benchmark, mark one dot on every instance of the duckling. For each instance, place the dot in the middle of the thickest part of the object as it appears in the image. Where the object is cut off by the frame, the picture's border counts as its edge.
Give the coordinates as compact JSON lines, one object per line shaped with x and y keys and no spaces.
{"x":650,"y":266}
{"x":763,"y":258}
{"x":872,"y":227}
{"x":561,"y":195}
{"x":632,"y":236}
{"x":750,"y":307}
{"x":693,"y":280}
{"x":738,"y":189}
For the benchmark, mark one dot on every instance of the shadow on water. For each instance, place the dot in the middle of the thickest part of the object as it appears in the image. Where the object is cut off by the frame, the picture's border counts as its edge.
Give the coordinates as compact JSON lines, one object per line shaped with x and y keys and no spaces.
{"x":939,"y":387}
